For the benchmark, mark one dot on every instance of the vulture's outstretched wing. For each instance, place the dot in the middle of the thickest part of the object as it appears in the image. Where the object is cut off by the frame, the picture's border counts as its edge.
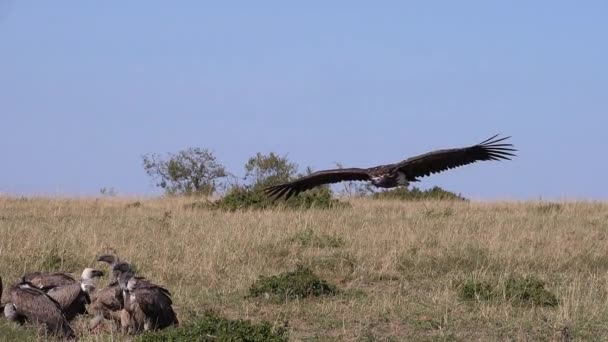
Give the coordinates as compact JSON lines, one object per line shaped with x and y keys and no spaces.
{"x":442,"y":160}
{"x":315,"y":179}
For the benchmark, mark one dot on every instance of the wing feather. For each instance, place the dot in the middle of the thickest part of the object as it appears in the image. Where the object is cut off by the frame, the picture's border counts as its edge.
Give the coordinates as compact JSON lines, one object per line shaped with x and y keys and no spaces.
{"x":315,"y":179}
{"x":442,"y":160}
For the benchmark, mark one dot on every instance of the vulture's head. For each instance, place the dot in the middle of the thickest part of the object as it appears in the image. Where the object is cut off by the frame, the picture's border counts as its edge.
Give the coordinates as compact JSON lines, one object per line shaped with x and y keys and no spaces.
{"x":123,"y":280}
{"x":108,"y":258}
{"x":90,"y":273}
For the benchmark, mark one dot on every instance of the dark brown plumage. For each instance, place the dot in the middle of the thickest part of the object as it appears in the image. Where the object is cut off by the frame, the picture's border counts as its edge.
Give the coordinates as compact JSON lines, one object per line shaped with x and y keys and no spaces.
{"x":148,"y":306}
{"x":48,"y":279}
{"x":73,"y":298}
{"x":402,"y":173}
{"x":108,"y":302}
{"x":28,"y":303}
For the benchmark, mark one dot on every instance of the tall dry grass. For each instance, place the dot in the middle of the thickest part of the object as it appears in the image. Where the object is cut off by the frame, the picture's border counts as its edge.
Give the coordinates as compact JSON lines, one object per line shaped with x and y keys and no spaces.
{"x":400,"y":265}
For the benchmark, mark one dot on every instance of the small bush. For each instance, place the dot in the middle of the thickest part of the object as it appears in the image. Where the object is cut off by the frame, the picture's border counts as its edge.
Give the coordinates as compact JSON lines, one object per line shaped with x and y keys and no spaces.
{"x":415,"y":194}
{"x":300,"y":283}
{"x":214,"y":328}
{"x":516,"y":290}
{"x":308,"y":238}
{"x":243,"y":198}
{"x":476,"y":290}
{"x":529,"y":290}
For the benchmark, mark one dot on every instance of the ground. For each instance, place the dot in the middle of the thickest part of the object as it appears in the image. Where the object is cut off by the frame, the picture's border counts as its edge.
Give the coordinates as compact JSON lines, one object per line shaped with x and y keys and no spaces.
{"x":400,"y":267}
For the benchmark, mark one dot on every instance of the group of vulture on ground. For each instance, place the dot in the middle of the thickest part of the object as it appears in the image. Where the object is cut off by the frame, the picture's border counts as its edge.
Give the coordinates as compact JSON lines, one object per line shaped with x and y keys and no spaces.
{"x":53,"y":299}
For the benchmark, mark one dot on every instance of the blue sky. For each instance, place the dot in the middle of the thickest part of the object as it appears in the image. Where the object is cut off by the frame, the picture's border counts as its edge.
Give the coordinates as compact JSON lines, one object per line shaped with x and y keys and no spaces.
{"x":87,"y":87}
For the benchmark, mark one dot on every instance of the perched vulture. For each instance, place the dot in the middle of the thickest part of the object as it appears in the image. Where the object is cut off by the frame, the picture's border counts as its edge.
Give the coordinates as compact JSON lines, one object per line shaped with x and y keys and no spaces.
{"x":146,"y":306}
{"x":108,"y":302}
{"x":402,"y":173}
{"x":48,"y":279}
{"x":73,"y":298}
{"x":28,"y":303}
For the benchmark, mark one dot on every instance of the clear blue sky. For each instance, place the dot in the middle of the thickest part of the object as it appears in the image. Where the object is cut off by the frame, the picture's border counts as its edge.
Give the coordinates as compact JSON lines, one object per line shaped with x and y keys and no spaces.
{"x":87,"y":87}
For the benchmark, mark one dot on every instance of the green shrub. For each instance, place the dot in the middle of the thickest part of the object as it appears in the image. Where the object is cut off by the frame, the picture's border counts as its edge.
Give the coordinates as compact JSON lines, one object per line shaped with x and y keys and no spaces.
{"x":476,"y":290}
{"x":529,"y":290}
{"x":242,"y":198}
{"x":516,"y":290}
{"x":214,"y":328}
{"x":415,"y":194}
{"x":300,"y":283}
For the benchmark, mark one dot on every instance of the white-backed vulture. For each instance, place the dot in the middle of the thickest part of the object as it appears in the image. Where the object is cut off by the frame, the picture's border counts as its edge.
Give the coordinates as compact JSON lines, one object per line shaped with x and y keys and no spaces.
{"x":108,"y":302}
{"x":48,"y":279}
{"x":73,"y":298}
{"x":147,"y":306}
{"x":28,"y":303}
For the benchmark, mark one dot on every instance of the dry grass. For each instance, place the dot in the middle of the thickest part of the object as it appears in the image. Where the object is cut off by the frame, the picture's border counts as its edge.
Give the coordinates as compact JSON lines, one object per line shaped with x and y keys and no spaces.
{"x":399,"y":265}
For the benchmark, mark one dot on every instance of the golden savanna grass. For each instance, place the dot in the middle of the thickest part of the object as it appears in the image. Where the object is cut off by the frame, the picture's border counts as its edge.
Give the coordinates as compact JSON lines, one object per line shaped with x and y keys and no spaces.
{"x":399,"y":265}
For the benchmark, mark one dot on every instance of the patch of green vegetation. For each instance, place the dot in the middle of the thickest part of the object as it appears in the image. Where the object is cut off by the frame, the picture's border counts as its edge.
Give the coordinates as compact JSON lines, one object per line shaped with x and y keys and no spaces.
{"x":300,"y":283}
{"x":476,"y":290}
{"x":243,"y":198}
{"x":308,"y":238}
{"x":13,"y":332}
{"x":516,"y":290}
{"x":415,"y":194}
{"x":529,"y":290}
{"x":214,"y":328}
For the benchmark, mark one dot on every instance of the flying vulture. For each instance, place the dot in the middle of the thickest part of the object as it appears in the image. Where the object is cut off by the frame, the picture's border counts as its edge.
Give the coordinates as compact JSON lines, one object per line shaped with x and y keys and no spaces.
{"x":28,"y":303}
{"x":73,"y":298}
{"x":401,"y":173}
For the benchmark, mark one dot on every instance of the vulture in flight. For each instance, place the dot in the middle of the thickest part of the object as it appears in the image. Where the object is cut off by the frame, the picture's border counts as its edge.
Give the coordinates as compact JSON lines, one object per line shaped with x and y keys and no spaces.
{"x":401,"y":173}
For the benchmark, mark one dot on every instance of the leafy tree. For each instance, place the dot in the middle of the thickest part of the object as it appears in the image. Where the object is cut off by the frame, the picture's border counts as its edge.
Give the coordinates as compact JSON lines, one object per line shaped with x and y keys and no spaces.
{"x":270,"y":169}
{"x":193,"y":171}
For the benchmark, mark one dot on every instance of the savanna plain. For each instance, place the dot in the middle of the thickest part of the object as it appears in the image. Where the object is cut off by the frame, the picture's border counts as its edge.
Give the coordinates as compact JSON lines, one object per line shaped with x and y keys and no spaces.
{"x":420,"y":271}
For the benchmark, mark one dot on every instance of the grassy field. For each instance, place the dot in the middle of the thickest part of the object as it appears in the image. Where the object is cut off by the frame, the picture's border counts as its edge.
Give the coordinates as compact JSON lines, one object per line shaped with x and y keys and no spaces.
{"x":404,"y":270}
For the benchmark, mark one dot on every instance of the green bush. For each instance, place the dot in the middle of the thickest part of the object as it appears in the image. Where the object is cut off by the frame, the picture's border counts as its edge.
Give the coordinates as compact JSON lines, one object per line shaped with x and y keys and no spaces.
{"x":300,"y":283}
{"x":516,"y":290}
{"x":239,"y":198}
{"x":476,"y":290}
{"x":214,"y":328}
{"x":529,"y":290}
{"x":415,"y":194}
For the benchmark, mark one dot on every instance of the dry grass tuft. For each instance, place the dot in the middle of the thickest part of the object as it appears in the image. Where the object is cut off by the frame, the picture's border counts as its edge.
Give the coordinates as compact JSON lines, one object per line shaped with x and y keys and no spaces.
{"x":399,"y":265}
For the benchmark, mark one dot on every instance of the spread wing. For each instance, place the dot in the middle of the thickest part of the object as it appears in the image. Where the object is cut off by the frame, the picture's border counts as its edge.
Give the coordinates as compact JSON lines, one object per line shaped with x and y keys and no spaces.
{"x":493,"y":148}
{"x":315,"y":179}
